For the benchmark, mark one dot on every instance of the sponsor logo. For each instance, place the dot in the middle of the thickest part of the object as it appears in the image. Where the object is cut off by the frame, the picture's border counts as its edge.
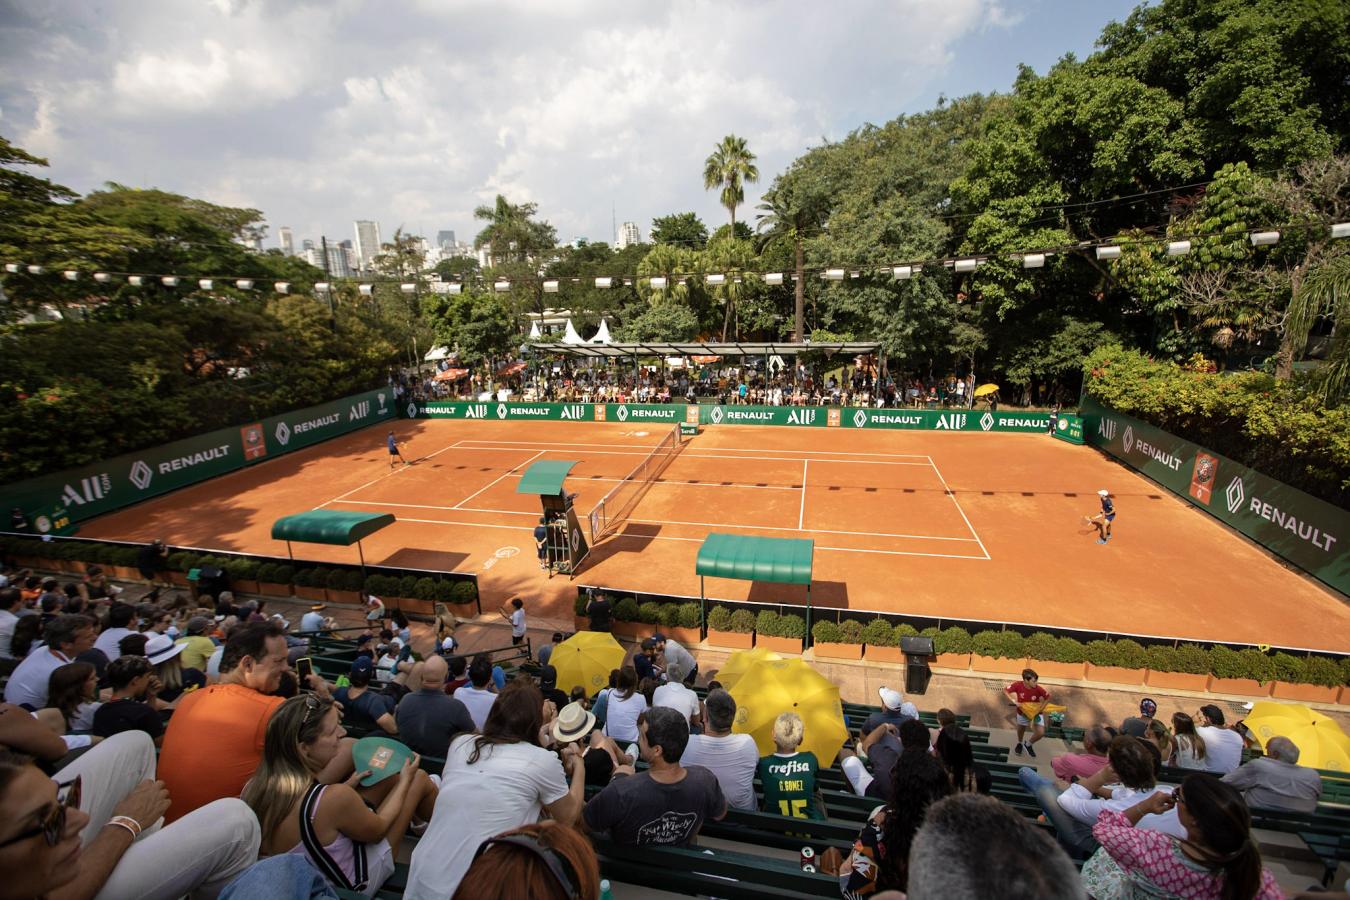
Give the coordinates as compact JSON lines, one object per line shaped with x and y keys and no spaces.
{"x":501,"y":410}
{"x":1157,"y":454}
{"x":717,"y":415}
{"x":1234,"y":495}
{"x":575,"y":411}
{"x":530,"y":412}
{"x":576,"y":539}
{"x":1107,"y":428}
{"x":691,"y":414}
{"x":44,"y":524}
{"x":747,"y":415}
{"x":882,"y":418}
{"x":952,"y":421}
{"x":859,"y":419}
{"x":321,"y":422}
{"x":668,"y":414}
{"x":195,"y":459}
{"x":1037,"y":423}
{"x":359,"y":411}
{"x":599,"y":412}
{"x":476,"y":411}
{"x":622,"y":414}
{"x":141,"y":474}
{"x":89,"y":489}
{"x":380,"y":397}
{"x":986,"y":421}
{"x":412,"y":409}
{"x":1062,"y":424}
{"x":1128,"y":440}
{"x":799,"y":416}
{"x":254,"y":445}
{"x":283,"y":433}
{"x":1290,"y":523}
{"x":832,"y":417}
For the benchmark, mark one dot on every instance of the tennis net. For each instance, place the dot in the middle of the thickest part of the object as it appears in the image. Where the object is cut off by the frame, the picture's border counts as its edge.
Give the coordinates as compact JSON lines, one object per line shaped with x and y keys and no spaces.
{"x":615,"y":506}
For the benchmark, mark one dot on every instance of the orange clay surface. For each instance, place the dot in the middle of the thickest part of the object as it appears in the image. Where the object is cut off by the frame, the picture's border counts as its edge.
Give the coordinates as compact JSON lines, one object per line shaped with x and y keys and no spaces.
{"x":939,"y":524}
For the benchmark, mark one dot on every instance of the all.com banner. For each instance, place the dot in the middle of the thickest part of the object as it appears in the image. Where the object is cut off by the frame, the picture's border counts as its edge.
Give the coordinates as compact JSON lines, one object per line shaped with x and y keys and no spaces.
{"x":103,"y":487}
{"x":794,"y":416}
{"x":1308,"y":532}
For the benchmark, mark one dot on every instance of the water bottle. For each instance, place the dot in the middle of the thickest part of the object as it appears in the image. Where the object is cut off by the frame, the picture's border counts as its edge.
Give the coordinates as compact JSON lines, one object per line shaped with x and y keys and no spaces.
{"x":605,"y":892}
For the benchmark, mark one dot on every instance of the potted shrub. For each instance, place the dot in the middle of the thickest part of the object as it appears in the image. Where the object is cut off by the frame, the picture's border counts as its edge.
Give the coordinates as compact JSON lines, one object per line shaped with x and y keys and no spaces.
{"x":1246,"y":673}
{"x":733,"y":630}
{"x":1314,"y":679}
{"x":1344,"y":697}
{"x":1183,"y":668}
{"x":1116,"y":662}
{"x":311,"y":584}
{"x":625,"y":619}
{"x":344,"y":586}
{"x":464,"y":597}
{"x":952,"y":646}
{"x":841,"y":641}
{"x":284,"y":586}
{"x":243,"y":574}
{"x":122,"y":562}
{"x":179,"y":564}
{"x":999,"y":652}
{"x":783,"y":634}
{"x":880,"y":642}
{"x":423,"y":599}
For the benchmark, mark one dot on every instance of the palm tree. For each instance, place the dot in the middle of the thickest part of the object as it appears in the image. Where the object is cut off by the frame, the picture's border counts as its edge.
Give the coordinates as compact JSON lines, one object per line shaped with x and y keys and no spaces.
{"x":1324,"y":292}
{"x":730,"y":164}
{"x":793,"y":213}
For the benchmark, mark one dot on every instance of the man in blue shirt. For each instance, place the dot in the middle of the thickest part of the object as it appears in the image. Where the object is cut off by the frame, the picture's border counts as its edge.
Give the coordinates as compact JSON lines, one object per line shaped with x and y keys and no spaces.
{"x":393,"y":451}
{"x":1102,"y":521}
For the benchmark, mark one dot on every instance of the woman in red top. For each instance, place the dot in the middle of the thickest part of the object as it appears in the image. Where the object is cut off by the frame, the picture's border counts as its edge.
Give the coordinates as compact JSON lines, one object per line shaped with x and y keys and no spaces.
{"x":1028,"y":690}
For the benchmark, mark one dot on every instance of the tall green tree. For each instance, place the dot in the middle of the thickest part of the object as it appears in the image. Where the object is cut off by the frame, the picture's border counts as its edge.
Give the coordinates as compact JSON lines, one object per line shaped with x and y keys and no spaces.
{"x":795,"y":209}
{"x":728,"y":167}
{"x":685,"y":230}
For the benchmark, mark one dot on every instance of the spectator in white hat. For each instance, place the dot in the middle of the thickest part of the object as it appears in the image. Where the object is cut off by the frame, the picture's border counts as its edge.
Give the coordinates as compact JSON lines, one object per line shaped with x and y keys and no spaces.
{"x":894,"y":710}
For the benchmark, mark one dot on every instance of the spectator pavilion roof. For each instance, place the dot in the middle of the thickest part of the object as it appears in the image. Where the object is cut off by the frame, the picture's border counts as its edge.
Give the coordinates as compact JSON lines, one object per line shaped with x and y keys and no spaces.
{"x":731,"y":349}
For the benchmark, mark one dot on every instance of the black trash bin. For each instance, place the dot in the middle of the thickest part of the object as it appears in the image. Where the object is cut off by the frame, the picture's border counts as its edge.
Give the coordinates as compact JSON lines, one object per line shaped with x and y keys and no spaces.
{"x":917,"y":650}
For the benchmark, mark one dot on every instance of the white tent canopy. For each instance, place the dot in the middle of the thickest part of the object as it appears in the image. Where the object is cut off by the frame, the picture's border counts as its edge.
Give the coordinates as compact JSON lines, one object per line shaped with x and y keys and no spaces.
{"x":534,"y":330}
{"x":436,"y":353}
{"x":570,"y":336}
{"x":602,"y":336}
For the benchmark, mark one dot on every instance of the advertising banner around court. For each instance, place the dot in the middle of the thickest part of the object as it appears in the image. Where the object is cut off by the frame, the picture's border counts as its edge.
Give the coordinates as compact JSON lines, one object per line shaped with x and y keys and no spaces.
{"x":1308,"y":532}
{"x":1069,"y":428}
{"x":102,"y":487}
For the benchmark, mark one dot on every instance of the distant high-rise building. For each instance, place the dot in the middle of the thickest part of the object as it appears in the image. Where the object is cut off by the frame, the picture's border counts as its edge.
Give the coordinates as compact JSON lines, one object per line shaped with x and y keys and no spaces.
{"x":628,"y":235}
{"x":338,"y":265}
{"x":306,"y":245}
{"x":313,"y":255}
{"x":367,"y":241}
{"x":445,"y":240}
{"x":287,"y":240}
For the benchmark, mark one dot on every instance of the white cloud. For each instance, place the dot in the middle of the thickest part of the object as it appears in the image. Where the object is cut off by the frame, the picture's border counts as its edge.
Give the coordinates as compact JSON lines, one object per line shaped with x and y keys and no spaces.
{"x":321,"y":113}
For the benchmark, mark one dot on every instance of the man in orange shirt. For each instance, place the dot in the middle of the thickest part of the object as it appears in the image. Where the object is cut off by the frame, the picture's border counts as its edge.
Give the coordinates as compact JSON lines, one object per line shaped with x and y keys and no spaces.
{"x":214,"y":741}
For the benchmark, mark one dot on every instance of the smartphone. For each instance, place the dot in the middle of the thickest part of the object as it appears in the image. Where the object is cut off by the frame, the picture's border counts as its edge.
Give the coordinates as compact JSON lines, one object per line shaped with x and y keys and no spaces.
{"x":304,"y":667}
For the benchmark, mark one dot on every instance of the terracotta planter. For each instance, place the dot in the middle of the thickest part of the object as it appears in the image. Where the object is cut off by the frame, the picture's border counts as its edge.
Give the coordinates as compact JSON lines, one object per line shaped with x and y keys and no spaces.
{"x":125,"y":573}
{"x":877,"y":653}
{"x":1071,"y":671}
{"x":1111,"y":674}
{"x":682,"y":636}
{"x":997,"y":665}
{"x":826,"y":650}
{"x":244,"y":585}
{"x":178,"y":578}
{"x":1306,"y":693}
{"x":312,"y":593}
{"x":1177,"y":681}
{"x":273,"y":589}
{"x":579,"y":623}
{"x":633,"y":630}
{"x":1243,"y":687}
{"x":74,"y":566}
{"x":779,"y":644}
{"x":958,"y":661}
{"x":732,"y":640}
{"x":351,"y":598}
{"x":418,"y":607}
{"x":30,"y":562}
{"x":1344,"y":698}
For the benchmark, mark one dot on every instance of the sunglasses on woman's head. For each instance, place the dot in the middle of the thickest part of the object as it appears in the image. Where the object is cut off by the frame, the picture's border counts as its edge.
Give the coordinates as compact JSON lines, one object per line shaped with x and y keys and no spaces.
{"x":52,"y":825}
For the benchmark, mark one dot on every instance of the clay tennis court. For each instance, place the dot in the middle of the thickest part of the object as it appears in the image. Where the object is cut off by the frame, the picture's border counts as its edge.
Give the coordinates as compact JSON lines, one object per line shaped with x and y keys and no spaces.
{"x":980,"y":526}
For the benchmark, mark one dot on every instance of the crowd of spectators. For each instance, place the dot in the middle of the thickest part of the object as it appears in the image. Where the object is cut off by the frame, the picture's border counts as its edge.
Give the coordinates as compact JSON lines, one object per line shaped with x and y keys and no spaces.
{"x":255,"y":763}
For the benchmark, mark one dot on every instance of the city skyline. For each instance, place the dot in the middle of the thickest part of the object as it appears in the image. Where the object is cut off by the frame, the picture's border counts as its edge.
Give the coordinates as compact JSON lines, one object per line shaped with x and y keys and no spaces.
{"x":354,"y":111}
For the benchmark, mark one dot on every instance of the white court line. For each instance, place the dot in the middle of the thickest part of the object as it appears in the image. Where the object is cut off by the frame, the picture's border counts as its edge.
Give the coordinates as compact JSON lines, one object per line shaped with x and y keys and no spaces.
{"x":582,"y":479}
{"x":727,"y":449}
{"x":690,"y":455}
{"x":700,"y":540}
{"x":952,"y":494}
{"x":801,"y":513}
{"x":460,"y":504}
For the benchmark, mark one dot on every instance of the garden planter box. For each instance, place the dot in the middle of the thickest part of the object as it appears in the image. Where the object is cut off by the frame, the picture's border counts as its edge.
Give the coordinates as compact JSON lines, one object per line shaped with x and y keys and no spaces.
{"x":1306,"y":693}
{"x":1073,"y":671}
{"x":178,"y":578}
{"x":579,"y":623}
{"x":1243,"y":687}
{"x":73,"y":565}
{"x":470,"y":609}
{"x":1111,"y":674}
{"x":997,"y":664}
{"x":1344,"y":698}
{"x":417,"y":607}
{"x":633,"y":630}
{"x":732,"y":640}
{"x":826,"y":650}
{"x":244,"y":585}
{"x":779,"y":644}
{"x":30,"y":562}
{"x":1177,"y":681}
{"x":351,"y":598}
{"x":308,"y":592}
{"x":126,"y":573}
{"x":682,"y":636}
{"x":877,"y":653}
{"x":273,"y":589}
{"x":958,"y":661}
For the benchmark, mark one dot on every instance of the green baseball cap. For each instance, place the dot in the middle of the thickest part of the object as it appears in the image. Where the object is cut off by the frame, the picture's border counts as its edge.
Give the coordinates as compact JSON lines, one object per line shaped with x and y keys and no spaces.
{"x":382,"y":757}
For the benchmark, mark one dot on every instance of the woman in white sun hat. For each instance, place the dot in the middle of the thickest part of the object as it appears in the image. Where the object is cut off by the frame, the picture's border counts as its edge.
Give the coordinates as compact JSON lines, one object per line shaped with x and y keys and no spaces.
{"x":170,"y":680}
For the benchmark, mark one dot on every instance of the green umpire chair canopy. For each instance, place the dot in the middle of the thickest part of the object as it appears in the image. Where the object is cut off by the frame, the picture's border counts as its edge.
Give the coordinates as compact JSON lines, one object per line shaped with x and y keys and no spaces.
{"x":780,"y":560}
{"x":329,"y":526}
{"x":545,"y":477}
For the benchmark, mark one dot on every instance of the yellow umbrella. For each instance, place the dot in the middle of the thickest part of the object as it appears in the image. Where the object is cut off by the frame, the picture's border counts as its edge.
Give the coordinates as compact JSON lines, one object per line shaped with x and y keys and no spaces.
{"x":585,"y":660}
{"x":986,"y":389}
{"x":740,"y":662}
{"x":1320,"y":741}
{"x":776,"y":686}
{"x":1030,"y":706}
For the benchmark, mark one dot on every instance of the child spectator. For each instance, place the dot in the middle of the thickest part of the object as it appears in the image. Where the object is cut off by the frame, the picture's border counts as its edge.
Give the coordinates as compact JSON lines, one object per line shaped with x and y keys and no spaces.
{"x":789,"y":775}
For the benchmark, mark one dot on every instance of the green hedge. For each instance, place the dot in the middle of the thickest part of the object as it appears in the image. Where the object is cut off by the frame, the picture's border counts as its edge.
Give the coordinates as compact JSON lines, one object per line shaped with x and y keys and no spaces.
{"x":626,"y":610}
{"x":688,"y":616}
{"x":741,"y":621}
{"x":826,"y":632}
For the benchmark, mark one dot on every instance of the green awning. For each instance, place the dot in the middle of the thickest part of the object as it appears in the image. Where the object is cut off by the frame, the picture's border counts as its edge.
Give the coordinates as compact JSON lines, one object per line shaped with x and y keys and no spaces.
{"x":781,"y":560}
{"x":545,"y":477}
{"x":329,"y":526}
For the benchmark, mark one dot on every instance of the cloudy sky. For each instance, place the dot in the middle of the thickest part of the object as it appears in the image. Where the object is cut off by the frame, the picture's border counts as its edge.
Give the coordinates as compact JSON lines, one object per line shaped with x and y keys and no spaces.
{"x":413,"y":112}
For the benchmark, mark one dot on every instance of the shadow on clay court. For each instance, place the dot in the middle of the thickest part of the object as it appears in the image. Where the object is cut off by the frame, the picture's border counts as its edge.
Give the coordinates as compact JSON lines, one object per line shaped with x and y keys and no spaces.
{"x":833,"y":594}
{"x":633,"y":537}
{"x":421,"y":558}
